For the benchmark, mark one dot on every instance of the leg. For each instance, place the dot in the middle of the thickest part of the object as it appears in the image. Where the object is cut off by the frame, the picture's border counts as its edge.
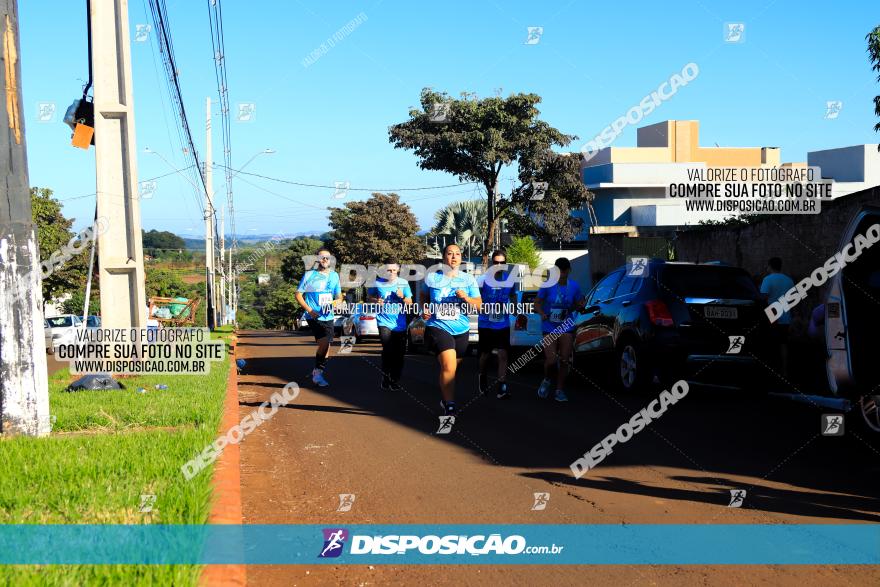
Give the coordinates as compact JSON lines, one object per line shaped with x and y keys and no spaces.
{"x":502,"y":365}
{"x":550,"y":358}
{"x":385,"y":335}
{"x":448,"y":363}
{"x":564,"y":350}
{"x":398,"y":353}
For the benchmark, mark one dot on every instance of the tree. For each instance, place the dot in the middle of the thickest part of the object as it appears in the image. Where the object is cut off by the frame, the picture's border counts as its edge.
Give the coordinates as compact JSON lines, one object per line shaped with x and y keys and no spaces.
{"x":292,"y":266}
{"x":280,"y":307}
{"x":156,"y":242}
{"x":53,"y":234}
{"x":366,"y":232}
{"x":464,"y":222}
{"x":522,"y":250}
{"x":479,"y":138}
{"x":873,"y":39}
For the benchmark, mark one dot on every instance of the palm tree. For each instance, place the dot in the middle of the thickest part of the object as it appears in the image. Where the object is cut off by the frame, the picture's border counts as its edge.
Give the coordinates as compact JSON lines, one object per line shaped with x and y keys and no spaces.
{"x":873,"y":39}
{"x":465,"y":223}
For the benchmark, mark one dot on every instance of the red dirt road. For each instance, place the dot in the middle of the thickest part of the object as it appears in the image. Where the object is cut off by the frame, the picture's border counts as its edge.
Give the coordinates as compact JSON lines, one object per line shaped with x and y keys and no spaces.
{"x":381,"y":447}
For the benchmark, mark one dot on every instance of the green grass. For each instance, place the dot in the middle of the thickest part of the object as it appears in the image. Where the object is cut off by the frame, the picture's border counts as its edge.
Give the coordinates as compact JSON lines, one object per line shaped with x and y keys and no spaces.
{"x":107,"y":448}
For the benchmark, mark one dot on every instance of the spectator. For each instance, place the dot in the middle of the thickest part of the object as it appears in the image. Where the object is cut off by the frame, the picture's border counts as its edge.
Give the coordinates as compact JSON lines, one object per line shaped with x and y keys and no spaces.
{"x":774,"y":287}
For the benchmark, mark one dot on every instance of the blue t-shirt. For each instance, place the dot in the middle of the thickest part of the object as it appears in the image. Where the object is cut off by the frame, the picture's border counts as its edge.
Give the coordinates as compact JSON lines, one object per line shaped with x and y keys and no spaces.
{"x":319,"y":290}
{"x":450,"y":316}
{"x":392,"y":315}
{"x":775,"y":285}
{"x":497,"y":294}
{"x":557,"y":302}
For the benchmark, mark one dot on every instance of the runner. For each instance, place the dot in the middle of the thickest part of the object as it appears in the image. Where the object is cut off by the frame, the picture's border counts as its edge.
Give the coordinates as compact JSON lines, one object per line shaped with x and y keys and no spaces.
{"x":559,"y":299}
{"x":494,"y":327}
{"x":392,"y":293}
{"x":447,"y":326}
{"x":322,"y":292}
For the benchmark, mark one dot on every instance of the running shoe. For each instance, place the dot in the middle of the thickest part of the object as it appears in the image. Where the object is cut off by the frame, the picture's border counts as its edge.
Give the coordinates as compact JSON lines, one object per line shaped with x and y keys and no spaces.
{"x":483,"y":383}
{"x":502,"y":391}
{"x":544,"y":390}
{"x":318,"y":378}
{"x":385,"y":385}
{"x":395,"y":386}
{"x":560,"y":396}
{"x":448,"y":407}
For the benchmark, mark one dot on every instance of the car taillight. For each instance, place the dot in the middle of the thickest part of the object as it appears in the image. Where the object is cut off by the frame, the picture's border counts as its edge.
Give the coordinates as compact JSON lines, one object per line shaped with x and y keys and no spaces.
{"x":658,"y":313}
{"x":366,"y":318}
{"x":522,"y":322}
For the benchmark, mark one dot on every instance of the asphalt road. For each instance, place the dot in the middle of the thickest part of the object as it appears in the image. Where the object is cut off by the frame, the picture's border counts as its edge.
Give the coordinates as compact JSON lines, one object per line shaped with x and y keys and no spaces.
{"x":382,"y":447}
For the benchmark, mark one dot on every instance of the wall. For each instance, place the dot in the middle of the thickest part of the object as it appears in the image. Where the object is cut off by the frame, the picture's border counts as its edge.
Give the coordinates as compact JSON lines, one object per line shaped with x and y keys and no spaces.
{"x":803,"y":242}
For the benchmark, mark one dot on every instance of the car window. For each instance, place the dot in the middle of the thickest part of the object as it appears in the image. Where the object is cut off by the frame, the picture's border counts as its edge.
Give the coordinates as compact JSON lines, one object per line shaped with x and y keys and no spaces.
{"x":708,"y":281}
{"x":59,"y":322}
{"x":93,"y":322}
{"x":605,"y":288}
{"x":629,"y":284}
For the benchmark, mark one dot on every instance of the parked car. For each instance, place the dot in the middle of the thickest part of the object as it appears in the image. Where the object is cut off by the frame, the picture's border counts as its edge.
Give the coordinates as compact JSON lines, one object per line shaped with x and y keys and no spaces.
{"x":338,"y":319}
{"x":61,"y":329}
{"x":674,"y":320}
{"x":360,"y":324}
{"x":852,"y":321}
{"x":302,"y":321}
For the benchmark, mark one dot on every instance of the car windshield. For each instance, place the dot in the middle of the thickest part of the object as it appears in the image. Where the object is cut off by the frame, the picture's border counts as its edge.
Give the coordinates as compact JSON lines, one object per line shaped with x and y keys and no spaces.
{"x":93,"y":322}
{"x":59,"y":321}
{"x":708,"y":281}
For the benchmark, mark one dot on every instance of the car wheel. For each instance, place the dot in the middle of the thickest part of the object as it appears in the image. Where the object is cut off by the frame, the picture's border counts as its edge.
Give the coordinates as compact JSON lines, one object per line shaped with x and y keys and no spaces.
{"x":631,"y":370}
{"x":868,"y":410}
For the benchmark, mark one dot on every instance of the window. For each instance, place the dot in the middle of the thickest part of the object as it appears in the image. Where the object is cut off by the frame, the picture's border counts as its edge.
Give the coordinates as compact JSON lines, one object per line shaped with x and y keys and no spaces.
{"x":628,"y":285}
{"x":605,"y":288}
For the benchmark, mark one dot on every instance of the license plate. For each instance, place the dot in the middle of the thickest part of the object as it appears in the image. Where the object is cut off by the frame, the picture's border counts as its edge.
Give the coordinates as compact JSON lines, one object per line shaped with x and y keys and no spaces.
{"x":720,"y":312}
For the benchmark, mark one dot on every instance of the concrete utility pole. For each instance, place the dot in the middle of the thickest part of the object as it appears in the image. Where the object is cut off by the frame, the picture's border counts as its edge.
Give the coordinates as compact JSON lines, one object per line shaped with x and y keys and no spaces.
{"x":209,"y":223}
{"x":24,"y":389}
{"x":120,"y":254}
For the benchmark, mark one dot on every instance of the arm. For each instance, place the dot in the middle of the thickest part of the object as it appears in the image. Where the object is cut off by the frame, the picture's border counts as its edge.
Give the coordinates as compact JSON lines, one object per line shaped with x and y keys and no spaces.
{"x":302,"y":302}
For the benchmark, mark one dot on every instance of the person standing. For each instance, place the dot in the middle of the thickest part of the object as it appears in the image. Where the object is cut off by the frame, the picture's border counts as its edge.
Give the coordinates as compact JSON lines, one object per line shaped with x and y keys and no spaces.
{"x":556,"y":304}
{"x":318,"y":291}
{"x":494,"y":323}
{"x":448,"y":296}
{"x":392,"y":293}
{"x":774,"y":287}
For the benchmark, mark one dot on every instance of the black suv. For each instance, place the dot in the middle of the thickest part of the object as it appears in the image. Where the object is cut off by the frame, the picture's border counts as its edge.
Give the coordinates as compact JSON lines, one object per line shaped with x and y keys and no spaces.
{"x":703,"y":322}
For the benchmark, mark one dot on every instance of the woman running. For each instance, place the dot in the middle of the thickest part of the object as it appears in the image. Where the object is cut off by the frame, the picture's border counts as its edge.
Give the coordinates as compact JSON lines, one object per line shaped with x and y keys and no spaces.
{"x":555,"y":304}
{"x":450,"y":293}
{"x":318,"y":292}
{"x":494,"y":323}
{"x":392,"y":293}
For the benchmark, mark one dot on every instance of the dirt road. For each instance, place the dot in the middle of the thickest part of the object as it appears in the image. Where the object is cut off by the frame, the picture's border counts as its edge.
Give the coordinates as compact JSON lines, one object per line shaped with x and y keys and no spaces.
{"x":382,"y":447}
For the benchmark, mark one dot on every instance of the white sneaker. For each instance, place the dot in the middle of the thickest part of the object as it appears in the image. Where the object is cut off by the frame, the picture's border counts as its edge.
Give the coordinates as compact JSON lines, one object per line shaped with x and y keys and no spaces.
{"x":318,"y":378}
{"x":544,"y":390}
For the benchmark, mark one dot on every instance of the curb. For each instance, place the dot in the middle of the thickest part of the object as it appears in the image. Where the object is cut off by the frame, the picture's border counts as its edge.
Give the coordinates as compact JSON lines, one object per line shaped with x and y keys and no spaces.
{"x":226,"y":482}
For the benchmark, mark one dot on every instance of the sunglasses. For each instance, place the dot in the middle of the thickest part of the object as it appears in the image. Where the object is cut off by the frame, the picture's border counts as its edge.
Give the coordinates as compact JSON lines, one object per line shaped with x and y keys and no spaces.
{"x":324,"y":258}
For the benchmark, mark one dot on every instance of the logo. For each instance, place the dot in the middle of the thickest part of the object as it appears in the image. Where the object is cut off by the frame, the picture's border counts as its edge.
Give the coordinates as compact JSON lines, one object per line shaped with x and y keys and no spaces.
{"x":346,"y":344}
{"x":142,"y":32}
{"x":446,"y":423}
{"x":638,"y":267}
{"x":334,"y":540}
{"x":534,"y":35}
{"x":439,"y":112}
{"x":342,"y":188}
{"x":539,"y":189}
{"x":832,"y":424}
{"x":736,"y":344}
{"x":147,"y":502}
{"x":45,"y":111}
{"x":734,"y":32}
{"x":737,"y":497}
{"x":346,"y":500}
{"x":247,"y":112}
{"x":147,"y":189}
{"x":541,"y":500}
{"x":832,"y":109}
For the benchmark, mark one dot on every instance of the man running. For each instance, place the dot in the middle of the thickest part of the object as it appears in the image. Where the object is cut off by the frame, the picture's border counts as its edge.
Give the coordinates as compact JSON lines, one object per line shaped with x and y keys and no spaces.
{"x":447,"y":325}
{"x":494,"y":322}
{"x":392,"y":293}
{"x":318,"y":292}
{"x":555,"y":304}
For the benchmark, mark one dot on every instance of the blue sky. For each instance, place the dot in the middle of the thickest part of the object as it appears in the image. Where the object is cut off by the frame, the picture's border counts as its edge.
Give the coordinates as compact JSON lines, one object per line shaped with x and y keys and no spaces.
{"x":328,"y":122}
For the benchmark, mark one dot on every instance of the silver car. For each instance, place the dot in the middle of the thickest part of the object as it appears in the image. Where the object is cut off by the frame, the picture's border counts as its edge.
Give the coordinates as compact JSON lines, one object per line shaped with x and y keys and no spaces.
{"x":360,"y":323}
{"x":59,"y":330}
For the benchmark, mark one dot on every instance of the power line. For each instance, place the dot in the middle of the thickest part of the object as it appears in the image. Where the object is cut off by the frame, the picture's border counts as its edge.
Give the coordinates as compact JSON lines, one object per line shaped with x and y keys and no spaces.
{"x":332,"y":187}
{"x":143,"y":180}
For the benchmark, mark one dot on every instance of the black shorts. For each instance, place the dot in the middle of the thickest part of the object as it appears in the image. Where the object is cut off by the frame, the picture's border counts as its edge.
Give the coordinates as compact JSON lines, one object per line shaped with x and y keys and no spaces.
{"x":439,"y":340}
{"x":494,"y":338}
{"x":322,"y":329}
